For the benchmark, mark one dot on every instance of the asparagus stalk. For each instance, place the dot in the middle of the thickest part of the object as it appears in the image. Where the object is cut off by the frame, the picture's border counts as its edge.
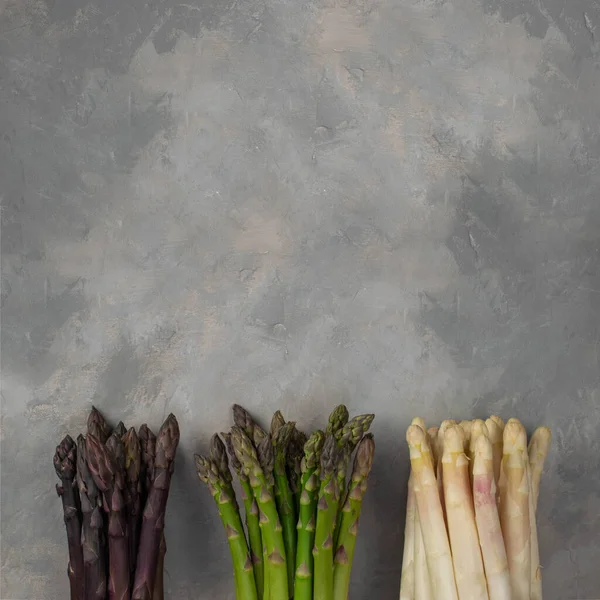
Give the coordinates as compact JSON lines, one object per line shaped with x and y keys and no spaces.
{"x":351,"y":513}
{"x":120,"y":429}
{"x":243,"y":419}
{"x":147,"y":455}
{"x":303,"y":585}
{"x":326,"y":515}
{"x":535,"y":567}
{"x":65,"y":463}
{"x":153,"y":521}
{"x":277,"y":422}
{"x":284,"y":499}
{"x":133,"y":466}
{"x":159,"y":593}
{"x":98,"y":426}
{"x":348,"y":438}
{"x":92,"y":528}
{"x":494,"y":432}
{"x":539,"y":445}
{"x":109,"y":479}
{"x":295,"y":454}
{"x":488,"y":521}
{"x":272,"y":536}
{"x":514,"y":509}
{"x":219,"y":484}
{"x":407,"y":580}
{"x":464,"y":543}
{"x":423,"y":582}
{"x":337,"y":419}
{"x":437,"y":547}
{"x":252,"y":522}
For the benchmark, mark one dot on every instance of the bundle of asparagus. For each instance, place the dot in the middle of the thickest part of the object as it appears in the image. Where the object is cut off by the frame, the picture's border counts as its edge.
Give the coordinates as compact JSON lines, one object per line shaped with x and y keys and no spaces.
{"x":114,"y":488}
{"x":471,"y":512}
{"x":301,"y":517}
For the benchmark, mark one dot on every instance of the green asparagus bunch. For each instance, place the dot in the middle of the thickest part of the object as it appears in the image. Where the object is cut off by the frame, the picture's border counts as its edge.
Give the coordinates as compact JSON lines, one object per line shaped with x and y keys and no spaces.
{"x":114,"y":489}
{"x":301,"y":518}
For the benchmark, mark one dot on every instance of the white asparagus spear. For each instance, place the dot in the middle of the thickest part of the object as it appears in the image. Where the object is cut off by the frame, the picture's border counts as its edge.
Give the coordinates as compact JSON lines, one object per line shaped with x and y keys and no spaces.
{"x":466,"y":427}
{"x":514,"y":509}
{"x":536,"y":569}
{"x":498,"y":420}
{"x":539,"y":445}
{"x":438,"y":469}
{"x":437,"y":546}
{"x":464,"y":542}
{"x":407,"y":581}
{"x":432,"y":432}
{"x":495,"y":434}
{"x":423,"y":589}
{"x":488,"y":521}
{"x":477,"y":426}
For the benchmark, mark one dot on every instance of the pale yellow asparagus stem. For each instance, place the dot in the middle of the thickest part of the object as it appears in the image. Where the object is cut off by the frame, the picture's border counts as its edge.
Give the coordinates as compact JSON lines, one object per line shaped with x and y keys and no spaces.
{"x":431,"y":517}
{"x":407,"y":581}
{"x":466,"y":427}
{"x":488,"y":521}
{"x":539,"y":445}
{"x":477,"y":427}
{"x":514,"y":509}
{"x":464,"y":543}
{"x":495,"y":434}
{"x":438,"y":467}
{"x":423,"y":589}
{"x":536,"y":569}
{"x":432,"y":434}
{"x":498,"y":420}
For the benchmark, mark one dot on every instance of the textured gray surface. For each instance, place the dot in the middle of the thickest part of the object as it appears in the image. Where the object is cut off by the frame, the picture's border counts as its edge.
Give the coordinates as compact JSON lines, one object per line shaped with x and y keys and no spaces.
{"x":286,"y":203}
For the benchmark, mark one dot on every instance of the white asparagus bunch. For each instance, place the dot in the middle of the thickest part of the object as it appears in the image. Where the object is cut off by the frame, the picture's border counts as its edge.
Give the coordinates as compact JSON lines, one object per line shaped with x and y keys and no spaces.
{"x":471,"y":529}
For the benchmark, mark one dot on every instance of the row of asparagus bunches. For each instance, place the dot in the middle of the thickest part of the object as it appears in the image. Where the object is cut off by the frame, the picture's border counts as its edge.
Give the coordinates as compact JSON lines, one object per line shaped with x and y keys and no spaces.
{"x":471,"y":512}
{"x":114,"y":485}
{"x":301,"y":514}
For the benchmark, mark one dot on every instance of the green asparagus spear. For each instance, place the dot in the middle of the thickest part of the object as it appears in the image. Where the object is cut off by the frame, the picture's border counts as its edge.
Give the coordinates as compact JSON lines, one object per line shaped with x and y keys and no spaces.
{"x":285,"y":500}
{"x":327,"y":506}
{"x":294,"y":461}
{"x":243,"y":419}
{"x":351,"y":512}
{"x":252,"y":524}
{"x":348,"y":438}
{"x":272,"y":536}
{"x":303,"y":586}
{"x":65,"y":464}
{"x":337,"y":419}
{"x":120,"y":429}
{"x":277,"y":422}
{"x":219,"y":484}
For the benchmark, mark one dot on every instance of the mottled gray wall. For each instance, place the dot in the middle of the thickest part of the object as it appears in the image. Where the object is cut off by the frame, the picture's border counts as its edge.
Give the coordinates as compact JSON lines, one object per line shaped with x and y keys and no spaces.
{"x":289,"y":203}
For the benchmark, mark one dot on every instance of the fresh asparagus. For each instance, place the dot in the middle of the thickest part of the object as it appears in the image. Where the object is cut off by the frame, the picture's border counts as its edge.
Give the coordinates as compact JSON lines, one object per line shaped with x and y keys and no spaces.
{"x":65,"y":464}
{"x":348,"y":438}
{"x":147,"y":455}
{"x":303,"y":585}
{"x":272,"y":536}
{"x":277,"y":422}
{"x":120,"y":429}
{"x":284,"y":499}
{"x":337,"y":419}
{"x":252,"y":520}
{"x":243,"y":419}
{"x":351,"y":512}
{"x":133,"y":465}
{"x":154,"y":512}
{"x":92,"y":529}
{"x":295,"y":454}
{"x":327,"y":506}
{"x":98,"y":426}
{"x":109,"y":479}
{"x":219,"y":484}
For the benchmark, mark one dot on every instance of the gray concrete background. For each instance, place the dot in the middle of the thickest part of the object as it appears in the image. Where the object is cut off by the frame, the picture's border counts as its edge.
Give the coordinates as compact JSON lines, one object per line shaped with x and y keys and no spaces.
{"x":285,"y":203}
